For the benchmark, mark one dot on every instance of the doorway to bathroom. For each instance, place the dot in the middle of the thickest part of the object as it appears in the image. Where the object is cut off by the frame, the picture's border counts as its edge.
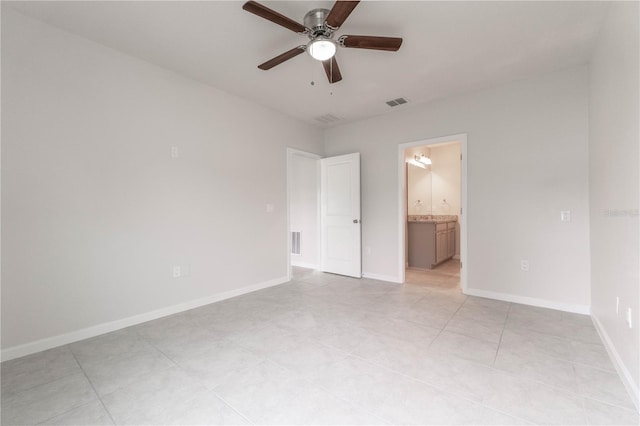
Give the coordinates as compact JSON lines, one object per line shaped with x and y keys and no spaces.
{"x":433,"y":222}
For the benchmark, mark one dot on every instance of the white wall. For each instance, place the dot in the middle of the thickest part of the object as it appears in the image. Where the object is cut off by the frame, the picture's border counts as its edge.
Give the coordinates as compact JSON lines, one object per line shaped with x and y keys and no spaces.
{"x":95,"y":210}
{"x":304,"y":208}
{"x":527,"y":161}
{"x":613,"y":146}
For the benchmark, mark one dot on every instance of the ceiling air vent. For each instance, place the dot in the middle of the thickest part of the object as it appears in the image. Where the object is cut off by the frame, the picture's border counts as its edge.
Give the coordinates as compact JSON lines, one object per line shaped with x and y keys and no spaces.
{"x":327,"y":118}
{"x":396,"y":102}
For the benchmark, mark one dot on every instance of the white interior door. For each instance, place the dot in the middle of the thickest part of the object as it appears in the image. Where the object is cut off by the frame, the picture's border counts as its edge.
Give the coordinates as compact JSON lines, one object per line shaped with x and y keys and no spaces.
{"x":340,"y":215}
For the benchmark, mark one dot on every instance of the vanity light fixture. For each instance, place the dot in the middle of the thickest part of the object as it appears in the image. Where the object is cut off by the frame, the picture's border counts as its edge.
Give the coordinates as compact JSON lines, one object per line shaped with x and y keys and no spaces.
{"x":425,"y":160}
{"x":417,"y":163}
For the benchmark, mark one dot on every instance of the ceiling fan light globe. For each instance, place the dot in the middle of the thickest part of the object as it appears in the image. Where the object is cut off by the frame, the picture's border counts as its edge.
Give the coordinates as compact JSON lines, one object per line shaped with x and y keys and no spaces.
{"x":321,"y":49}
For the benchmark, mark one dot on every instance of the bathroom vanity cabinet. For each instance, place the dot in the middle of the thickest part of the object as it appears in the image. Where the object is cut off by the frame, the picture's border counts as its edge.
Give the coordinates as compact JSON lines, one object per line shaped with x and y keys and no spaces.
{"x":430,"y":242}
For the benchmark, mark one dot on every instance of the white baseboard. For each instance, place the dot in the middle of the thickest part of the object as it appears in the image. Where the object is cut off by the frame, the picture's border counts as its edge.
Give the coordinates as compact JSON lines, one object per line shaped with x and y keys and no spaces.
{"x":305,"y":264}
{"x":378,"y":277}
{"x":622,"y":370}
{"x":96,"y":330}
{"x":566,"y":307}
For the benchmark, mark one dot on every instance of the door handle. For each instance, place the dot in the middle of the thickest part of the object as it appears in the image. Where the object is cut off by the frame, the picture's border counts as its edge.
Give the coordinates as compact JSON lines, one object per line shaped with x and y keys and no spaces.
{"x":355,"y":220}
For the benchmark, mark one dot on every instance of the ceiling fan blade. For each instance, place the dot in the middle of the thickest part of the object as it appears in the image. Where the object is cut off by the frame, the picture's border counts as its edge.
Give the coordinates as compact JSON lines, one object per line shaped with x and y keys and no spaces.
{"x":371,"y":42}
{"x":340,"y":12}
{"x":273,"y":16}
{"x":282,"y":57}
{"x":332,"y":70}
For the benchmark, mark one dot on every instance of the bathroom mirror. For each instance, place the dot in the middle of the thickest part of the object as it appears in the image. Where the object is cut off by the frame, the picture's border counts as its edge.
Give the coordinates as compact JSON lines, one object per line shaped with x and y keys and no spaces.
{"x":419,"y":192}
{"x":433,"y":186}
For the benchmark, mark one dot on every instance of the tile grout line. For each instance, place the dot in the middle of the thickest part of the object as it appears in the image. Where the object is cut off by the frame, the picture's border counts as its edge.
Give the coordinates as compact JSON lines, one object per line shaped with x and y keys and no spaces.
{"x":447,"y":323}
{"x":351,"y":403}
{"x":92,"y":387}
{"x":45,"y":382}
{"x":582,"y":398}
{"x":504,"y":326}
{"x":232,"y":407}
{"x":182,"y":370}
{"x":433,"y":385}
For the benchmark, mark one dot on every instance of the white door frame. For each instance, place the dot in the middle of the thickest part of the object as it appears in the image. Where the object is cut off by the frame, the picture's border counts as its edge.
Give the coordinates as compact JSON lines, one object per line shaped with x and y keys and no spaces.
{"x":290,"y":153}
{"x":402,"y":202}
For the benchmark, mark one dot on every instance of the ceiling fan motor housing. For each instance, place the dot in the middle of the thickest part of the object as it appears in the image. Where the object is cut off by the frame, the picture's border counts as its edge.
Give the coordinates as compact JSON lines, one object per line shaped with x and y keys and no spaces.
{"x":319,"y":26}
{"x":314,"y":20}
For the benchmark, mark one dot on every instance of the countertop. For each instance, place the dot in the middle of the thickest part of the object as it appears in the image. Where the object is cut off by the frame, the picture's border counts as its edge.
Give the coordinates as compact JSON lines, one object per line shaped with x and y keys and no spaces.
{"x":432,"y":218}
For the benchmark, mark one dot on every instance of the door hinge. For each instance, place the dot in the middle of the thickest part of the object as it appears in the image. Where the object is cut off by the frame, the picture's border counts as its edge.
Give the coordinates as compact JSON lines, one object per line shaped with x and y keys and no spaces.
{"x":460,"y":157}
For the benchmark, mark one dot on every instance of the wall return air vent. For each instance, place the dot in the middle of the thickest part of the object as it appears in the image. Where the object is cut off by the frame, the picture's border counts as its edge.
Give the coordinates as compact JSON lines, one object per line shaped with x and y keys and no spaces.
{"x":295,"y":242}
{"x":396,"y":102}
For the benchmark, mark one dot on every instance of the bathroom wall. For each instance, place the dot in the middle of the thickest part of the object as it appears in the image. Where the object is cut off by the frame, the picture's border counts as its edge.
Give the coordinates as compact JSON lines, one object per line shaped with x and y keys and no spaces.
{"x":445,"y":179}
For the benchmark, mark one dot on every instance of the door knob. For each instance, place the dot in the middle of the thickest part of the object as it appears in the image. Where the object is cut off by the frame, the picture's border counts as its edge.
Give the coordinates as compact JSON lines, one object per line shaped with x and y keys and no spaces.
{"x":355,"y":220}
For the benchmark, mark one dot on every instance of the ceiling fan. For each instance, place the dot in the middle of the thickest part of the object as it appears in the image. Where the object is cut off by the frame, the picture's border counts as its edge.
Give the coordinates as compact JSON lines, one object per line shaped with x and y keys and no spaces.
{"x":319,"y":26}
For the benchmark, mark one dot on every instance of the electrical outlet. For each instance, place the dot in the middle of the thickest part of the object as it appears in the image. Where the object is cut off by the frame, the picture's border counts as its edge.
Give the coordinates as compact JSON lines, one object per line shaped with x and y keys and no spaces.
{"x":176,"y":272}
{"x":524,"y":265}
{"x":175,"y":152}
{"x":565,"y":216}
{"x":629,"y":318}
{"x":270,"y":207}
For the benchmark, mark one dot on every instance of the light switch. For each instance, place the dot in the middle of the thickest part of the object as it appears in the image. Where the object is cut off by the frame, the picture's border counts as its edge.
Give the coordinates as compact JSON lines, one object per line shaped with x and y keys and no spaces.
{"x":175,"y":152}
{"x":270,"y":207}
{"x":565,"y":216}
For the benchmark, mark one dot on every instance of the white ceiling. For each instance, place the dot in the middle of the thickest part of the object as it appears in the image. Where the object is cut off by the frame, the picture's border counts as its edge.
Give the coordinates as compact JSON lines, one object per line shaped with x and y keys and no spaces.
{"x":449,"y":47}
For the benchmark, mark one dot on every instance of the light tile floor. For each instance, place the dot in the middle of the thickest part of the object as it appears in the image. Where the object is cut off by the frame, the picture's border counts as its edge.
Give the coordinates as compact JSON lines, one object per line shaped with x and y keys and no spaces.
{"x":325,"y":349}
{"x":444,"y":276}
